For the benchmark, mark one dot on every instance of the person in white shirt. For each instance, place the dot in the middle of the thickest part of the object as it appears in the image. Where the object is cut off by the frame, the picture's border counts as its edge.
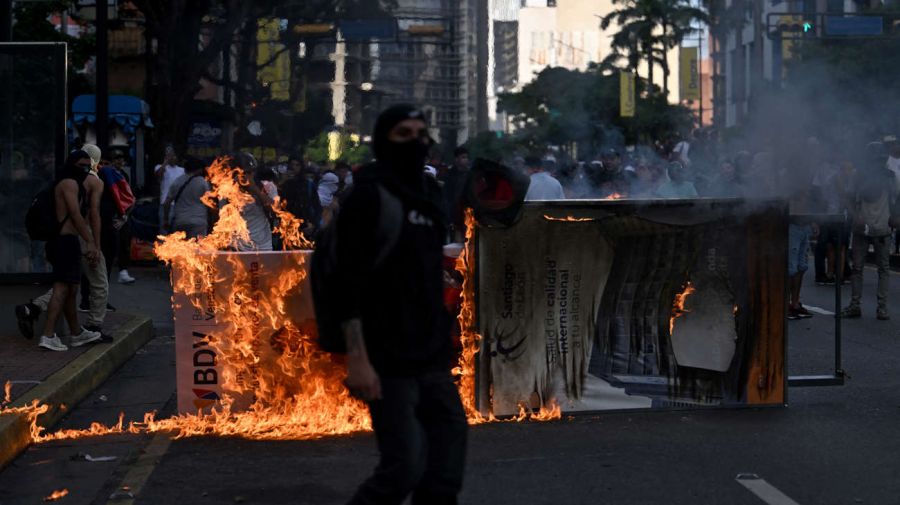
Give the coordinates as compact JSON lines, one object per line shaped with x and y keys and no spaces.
{"x":543,"y":185}
{"x":166,"y":173}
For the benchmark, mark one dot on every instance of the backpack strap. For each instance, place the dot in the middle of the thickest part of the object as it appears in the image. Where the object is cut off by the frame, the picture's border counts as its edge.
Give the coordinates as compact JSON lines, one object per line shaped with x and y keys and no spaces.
{"x":182,"y":188}
{"x":390,"y":223}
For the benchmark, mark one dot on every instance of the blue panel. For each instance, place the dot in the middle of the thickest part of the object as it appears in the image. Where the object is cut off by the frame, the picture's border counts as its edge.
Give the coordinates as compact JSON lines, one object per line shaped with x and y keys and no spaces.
{"x":368,"y":29}
{"x":841,"y":26}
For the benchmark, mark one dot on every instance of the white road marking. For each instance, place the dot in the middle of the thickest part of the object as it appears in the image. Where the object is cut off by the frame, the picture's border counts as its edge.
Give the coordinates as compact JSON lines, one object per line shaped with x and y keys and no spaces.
{"x":818,"y":310}
{"x":763,"y":490}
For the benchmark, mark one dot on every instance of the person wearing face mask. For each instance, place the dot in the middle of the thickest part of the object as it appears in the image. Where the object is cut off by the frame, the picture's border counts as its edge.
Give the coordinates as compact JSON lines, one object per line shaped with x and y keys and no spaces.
{"x":73,"y":249}
{"x":395,"y":325}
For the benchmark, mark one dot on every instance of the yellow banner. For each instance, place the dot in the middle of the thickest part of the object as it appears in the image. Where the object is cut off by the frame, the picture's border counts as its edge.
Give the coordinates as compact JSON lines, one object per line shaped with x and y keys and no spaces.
{"x":689,"y":73}
{"x":273,"y":58}
{"x":626,"y":94}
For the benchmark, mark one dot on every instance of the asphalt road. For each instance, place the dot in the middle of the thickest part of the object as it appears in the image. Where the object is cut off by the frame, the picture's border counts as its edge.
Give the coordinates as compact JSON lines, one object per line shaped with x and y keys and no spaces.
{"x":831,"y":445}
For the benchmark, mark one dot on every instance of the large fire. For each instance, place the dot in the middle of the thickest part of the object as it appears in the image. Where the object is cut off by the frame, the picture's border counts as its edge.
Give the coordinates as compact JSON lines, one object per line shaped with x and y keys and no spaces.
{"x":302,"y":396}
{"x":678,"y":309}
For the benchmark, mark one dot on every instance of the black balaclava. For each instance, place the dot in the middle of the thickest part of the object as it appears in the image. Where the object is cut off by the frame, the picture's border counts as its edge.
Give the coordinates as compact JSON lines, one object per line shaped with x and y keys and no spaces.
{"x":71,"y":170}
{"x":407,"y":159}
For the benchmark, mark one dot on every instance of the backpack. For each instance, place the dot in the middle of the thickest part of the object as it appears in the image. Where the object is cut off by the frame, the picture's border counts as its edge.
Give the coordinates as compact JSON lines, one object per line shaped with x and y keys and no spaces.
{"x":40,"y":219}
{"x":324,"y":268}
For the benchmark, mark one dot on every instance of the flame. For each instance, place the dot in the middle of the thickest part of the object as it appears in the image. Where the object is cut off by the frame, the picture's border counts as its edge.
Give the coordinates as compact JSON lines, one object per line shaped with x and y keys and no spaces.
{"x":678,"y":309}
{"x":7,"y":392}
{"x":569,"y":219}
{"x":471,"y":341}
{"x":56,"y":495}
{"x":614,"y":196}
{"x":299,"y":396}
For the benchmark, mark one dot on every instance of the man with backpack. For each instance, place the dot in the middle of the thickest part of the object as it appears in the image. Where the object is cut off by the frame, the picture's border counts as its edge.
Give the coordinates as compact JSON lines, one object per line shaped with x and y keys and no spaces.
{"x":386,"y":288}
{"x":58,"y":217}
{"x":191,"y":215}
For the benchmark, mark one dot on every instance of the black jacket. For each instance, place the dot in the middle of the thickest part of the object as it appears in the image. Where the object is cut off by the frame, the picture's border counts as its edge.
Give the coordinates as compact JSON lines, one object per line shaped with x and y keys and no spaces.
{"x":400,"y":301}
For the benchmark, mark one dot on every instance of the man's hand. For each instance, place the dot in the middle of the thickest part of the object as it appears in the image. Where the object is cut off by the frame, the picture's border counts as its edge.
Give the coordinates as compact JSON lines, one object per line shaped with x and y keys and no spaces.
{"x":362,"y":380}
{"x":92,"y":254}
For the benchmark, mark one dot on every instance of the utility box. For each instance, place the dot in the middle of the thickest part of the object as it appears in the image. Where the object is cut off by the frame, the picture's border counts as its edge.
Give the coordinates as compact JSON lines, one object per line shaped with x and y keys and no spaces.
{"x":236,"y":304}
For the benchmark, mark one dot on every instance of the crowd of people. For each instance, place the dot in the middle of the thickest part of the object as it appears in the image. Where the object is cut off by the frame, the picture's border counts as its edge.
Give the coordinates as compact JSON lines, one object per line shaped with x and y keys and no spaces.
{"x":847,"y":200}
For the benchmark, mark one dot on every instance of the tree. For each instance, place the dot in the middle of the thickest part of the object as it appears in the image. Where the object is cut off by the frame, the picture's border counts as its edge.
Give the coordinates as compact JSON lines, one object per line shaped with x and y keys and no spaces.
{"x":648,"y":29}
{"x":33,"y":24}
{"x":586,"y":115}
{"x":190,"y":35}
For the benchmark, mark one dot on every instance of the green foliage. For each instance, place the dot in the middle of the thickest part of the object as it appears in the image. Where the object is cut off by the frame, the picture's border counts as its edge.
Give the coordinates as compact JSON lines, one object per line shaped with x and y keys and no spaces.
{"x":352,"y":151}
{"x":586,"y":114}
{"x":33,"y":25}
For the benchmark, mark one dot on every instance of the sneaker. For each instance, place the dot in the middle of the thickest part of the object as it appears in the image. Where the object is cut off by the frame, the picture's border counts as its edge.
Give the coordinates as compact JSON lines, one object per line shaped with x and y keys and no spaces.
{"x":52,"y":343}
{"x":104,"y":337}
{"x":110,"y":308}
{"x":25,"y":316}
{"x":792,"y":314}
{"x":830,"y":281}
{"x":882,"y":314}
{"x":124,"y":278}
{"x":802,"y":312}
{"x":85,"y":337}
{"x":851,"y":312}
{"x":821,"y":281}
{"x":84,"y":306}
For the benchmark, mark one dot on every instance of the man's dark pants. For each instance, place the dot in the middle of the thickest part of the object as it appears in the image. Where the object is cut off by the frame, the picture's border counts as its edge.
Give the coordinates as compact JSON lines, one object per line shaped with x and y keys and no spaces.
{"x":420,"y":426}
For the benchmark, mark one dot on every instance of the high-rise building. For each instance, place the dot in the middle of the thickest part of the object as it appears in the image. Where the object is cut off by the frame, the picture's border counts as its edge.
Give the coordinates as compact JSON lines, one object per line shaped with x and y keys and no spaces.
{"x":441,"y":74}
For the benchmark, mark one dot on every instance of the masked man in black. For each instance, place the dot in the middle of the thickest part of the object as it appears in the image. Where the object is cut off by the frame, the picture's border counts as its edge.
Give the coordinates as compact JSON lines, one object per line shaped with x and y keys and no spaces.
{"x":399,"y":351}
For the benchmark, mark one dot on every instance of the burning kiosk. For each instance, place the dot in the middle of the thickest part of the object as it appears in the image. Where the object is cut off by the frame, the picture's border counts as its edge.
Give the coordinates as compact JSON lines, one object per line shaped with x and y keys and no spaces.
{"x":623,"y":304}
{"x":581,"y":305}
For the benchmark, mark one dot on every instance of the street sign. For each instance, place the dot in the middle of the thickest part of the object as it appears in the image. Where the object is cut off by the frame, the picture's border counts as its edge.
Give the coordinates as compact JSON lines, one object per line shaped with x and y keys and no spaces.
{"x":797,"y":25}
{"x":854,"y":26}
{"x":363,"y":30}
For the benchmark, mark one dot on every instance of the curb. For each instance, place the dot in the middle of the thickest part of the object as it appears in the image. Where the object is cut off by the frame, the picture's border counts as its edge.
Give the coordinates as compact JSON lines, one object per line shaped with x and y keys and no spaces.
{"x":72,"y":383}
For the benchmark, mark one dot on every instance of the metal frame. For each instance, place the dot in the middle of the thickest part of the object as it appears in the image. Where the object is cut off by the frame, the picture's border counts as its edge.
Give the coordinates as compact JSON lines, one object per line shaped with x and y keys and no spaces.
{"x":60,"y":137}
{"x":788,"y":381}
{"x":837,"y":377}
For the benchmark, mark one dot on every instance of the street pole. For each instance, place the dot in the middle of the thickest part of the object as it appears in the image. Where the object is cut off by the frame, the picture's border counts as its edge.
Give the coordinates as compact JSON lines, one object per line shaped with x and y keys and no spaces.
{"x":102,"y":87}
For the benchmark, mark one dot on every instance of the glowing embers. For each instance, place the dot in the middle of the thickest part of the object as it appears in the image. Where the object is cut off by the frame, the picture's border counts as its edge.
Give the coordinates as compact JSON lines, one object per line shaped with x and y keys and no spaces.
{"x":614,"y":196}
{"x":57,"y":495}
{"x":678,"y":309}
{"x":569,"y":219}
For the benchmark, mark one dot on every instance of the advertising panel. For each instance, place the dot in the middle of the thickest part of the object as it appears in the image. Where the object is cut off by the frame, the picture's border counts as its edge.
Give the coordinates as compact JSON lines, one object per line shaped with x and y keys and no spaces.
{"x":198,"y":321}
{"x":610,"y":305}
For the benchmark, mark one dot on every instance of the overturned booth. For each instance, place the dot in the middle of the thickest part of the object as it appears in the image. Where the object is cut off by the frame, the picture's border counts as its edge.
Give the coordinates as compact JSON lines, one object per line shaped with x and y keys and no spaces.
{"x":627,"y":304}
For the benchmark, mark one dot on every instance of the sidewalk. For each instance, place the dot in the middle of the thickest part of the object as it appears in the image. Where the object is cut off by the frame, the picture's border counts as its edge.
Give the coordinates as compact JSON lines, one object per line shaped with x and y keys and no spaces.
{"x":57,"y":378}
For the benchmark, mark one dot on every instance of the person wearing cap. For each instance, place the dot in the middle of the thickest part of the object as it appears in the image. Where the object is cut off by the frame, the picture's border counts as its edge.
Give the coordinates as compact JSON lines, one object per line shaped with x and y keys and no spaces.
{"x":677,"y":186}
{"x":543,"y":186}
{"x":396,"y":327}
{"x":166,"y":173}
